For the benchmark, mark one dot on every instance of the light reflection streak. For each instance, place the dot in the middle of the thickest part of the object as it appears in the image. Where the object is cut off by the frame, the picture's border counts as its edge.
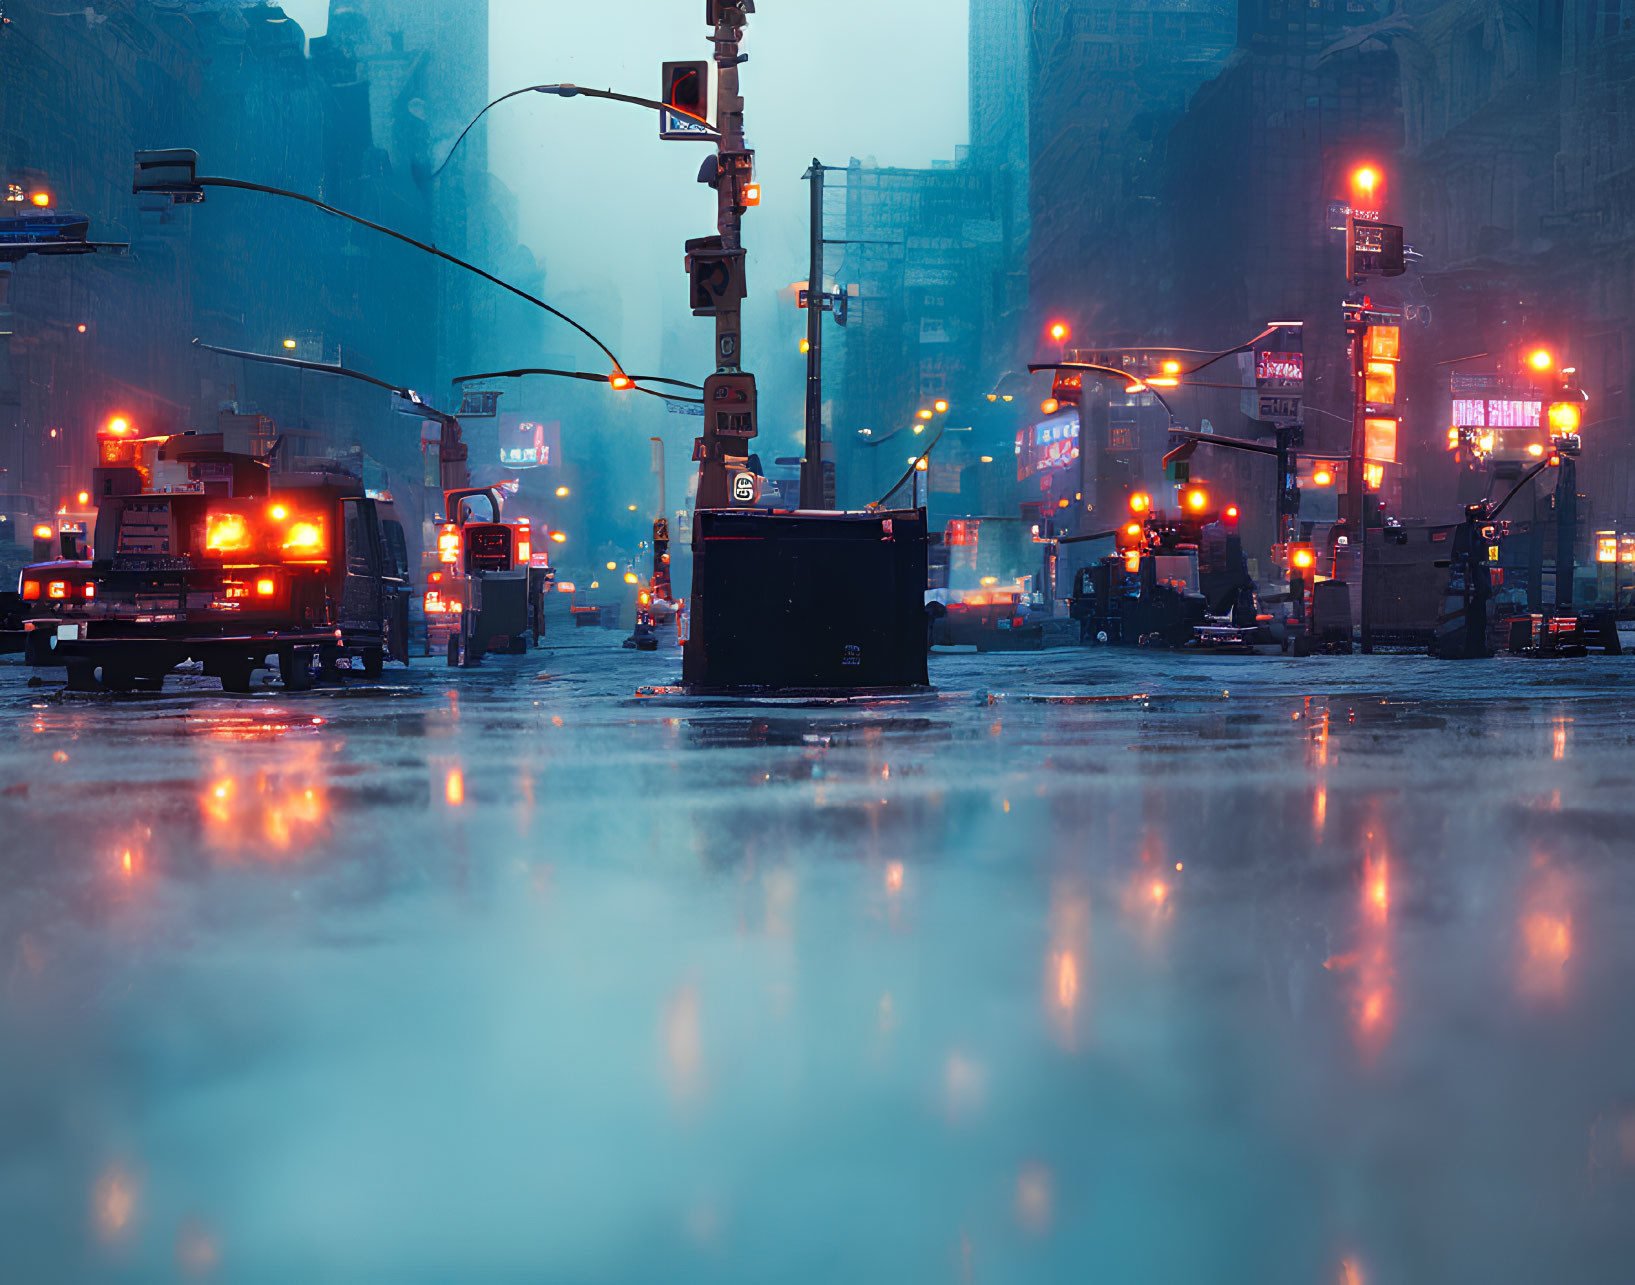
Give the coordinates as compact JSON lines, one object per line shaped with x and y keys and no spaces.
{"x":1373,"y":1003}
{"x":1558,"y":738}
{"x":114,"y":1202}
{"x":1545,"y":931}
{"x":684,"y":1045}
{"x":1035,"y":1198}
{"x":454,"y":787}
{"x":270,"y":813}
{"x":1066,"y":958}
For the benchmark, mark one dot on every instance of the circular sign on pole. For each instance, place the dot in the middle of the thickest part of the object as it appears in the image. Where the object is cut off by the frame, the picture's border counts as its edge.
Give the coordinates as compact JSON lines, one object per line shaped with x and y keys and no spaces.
{"x":743,"y":488}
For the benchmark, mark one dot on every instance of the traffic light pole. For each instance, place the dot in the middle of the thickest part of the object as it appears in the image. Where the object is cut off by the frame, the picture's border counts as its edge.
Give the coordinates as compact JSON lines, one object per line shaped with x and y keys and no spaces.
{"x":811,"y":472}
{"x":1356,"y":518}
{"x":713,"y":471}
{"x":1566,"y":527}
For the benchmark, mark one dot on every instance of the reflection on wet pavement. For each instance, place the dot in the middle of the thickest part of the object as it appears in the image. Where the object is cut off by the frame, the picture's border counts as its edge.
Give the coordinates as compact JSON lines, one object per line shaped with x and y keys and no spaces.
{"x":1089,"y":967}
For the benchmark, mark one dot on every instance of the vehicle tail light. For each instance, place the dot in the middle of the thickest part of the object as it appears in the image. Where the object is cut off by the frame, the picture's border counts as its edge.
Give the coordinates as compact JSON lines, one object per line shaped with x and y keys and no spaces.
{"x":525,"y":551}
{"x":57,"y":589}
{"x":226,"y":533}
{"x":448,"y":545}
{"x":31,"y":590}
{"x":305,"y":539}
{"x":88,"y":590}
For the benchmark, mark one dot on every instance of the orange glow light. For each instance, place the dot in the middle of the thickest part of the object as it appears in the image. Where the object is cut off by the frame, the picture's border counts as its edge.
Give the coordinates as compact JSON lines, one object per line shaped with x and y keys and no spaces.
{"x":752,"y":194}
{"x":226,"y":533}
{"x":454,"y":787}
{"x":305,"y":537}
{"x":1059,"y":331}
{"x":1365,"y":178}
{"x":1539,"y":359}
{"x":41,"y":199}
{"x":621,"y":381}
{"x":1140,"y":502}
{"x":1050,"y":406}
{"x":1159,"y":892}
{"x":266,"y":588}
{"x":119,"y":425}
{"x":1322,"y":477}
{"x":1377,"y":884}
{"x":1196,"y":500}
{"x":279,"y":512}
{"x":894,"y":876}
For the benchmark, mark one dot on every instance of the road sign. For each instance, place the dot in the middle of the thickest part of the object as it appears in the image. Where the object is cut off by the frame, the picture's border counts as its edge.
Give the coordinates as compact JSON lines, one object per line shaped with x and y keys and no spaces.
{"x":743,"y":488}
{"x":1373,"y":249}
{"x":1278,"y":408}
{"x":1282,"y":366}
{"x":479,"y":404}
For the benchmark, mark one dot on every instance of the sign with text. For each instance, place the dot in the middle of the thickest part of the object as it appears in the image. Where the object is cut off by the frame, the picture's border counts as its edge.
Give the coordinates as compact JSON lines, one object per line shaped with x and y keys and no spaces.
{"x":1278,"y":408}
{"x":1285,"y":367}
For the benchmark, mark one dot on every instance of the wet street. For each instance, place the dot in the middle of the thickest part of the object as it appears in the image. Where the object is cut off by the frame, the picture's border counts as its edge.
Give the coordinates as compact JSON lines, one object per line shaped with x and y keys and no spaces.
{"x":1093,"y":966}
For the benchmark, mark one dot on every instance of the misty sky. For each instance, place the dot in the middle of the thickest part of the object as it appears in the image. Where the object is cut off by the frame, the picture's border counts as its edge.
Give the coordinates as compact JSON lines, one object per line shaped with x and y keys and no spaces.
{"x":603,"y":201}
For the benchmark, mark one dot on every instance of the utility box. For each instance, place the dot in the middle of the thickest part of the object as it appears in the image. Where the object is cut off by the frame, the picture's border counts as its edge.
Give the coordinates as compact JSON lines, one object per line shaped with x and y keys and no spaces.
{"x":807,"y":601}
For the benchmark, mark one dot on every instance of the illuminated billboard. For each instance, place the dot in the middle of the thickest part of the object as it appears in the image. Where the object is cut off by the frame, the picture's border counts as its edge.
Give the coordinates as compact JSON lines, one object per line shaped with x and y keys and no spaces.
{"x":530,"y":443}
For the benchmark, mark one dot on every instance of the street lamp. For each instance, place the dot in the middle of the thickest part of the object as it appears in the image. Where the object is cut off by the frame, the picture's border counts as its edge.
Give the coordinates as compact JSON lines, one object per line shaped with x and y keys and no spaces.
{"x":707,"y":133}
{"x":173,"y":173}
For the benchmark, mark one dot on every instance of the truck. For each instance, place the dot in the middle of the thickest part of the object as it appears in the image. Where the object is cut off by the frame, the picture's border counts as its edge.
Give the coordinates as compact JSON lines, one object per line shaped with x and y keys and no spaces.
{"x":208,"y":556}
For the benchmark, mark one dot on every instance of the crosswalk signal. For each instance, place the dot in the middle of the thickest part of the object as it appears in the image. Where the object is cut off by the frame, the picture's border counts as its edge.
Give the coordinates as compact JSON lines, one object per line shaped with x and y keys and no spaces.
{"x":685,"y":93}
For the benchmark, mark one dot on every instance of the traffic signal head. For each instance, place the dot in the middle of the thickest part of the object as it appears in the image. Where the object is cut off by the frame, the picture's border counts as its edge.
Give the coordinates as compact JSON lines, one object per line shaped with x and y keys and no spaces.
{"x":686,"y":88}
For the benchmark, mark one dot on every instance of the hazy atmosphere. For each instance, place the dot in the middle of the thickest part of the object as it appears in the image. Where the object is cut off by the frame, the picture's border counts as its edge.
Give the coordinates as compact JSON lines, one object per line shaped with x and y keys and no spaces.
{"x":968,"y":641}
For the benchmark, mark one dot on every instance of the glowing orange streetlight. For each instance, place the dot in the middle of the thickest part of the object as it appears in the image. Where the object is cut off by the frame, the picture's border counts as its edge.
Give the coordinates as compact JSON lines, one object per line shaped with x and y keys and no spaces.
{"x":1539,"y":359}
{"x":1059,"y":332}
{"x":1365,"y":178}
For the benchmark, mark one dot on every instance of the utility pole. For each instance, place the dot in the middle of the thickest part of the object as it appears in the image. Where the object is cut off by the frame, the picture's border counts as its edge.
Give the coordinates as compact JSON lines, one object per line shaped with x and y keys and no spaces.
{"x":811,"y":471}
{"x":1356,"y":481}
{"x":715,"y":267}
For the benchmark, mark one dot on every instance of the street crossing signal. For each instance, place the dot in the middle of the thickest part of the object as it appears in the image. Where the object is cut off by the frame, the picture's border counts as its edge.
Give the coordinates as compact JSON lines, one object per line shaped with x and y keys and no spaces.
{"x":685,"y":92}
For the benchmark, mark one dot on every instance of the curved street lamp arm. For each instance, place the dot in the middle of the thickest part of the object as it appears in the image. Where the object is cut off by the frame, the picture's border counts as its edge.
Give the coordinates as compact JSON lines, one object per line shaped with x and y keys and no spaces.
{"x":1110,"y":371}
{"x":1525,"y":479}
{"x":635,"y":380}
{"x":472,"y":124}
{"x":575,"y":91}
{"x":296,"y":363}
{"x":913,"y":465}
{"x":419,"y":245}
{"x":451,"y":452}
